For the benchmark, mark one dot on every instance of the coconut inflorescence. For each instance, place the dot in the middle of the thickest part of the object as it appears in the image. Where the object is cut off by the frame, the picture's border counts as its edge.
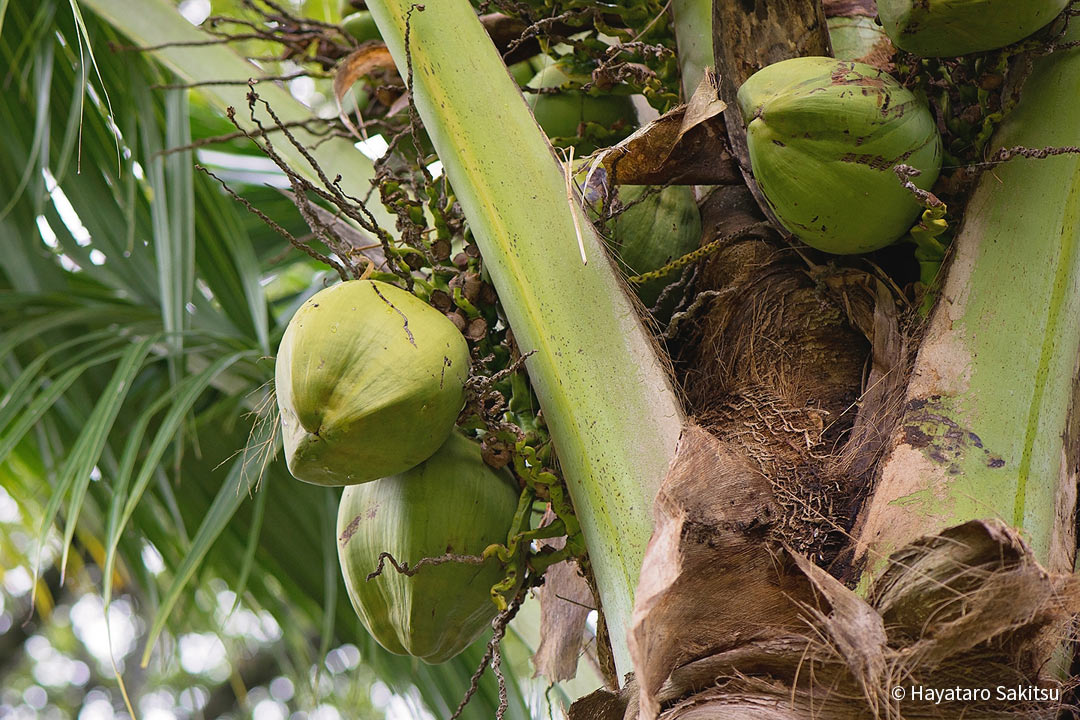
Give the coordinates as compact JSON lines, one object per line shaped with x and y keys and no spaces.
{"x":370,"y":380}
{"x":451,"y":503}
{"x":825,"y":137}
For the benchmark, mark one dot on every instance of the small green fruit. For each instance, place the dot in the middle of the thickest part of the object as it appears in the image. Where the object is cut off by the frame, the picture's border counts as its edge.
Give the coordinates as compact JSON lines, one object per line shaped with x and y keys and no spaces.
{"x":369,"y":382}
{"x":361,"y":26}
{"x":347,"y":7}
{"x":947,"y":28}
{"x":451,"y":503}
{"x":824,"y":138}
{"x":562,"y":114}
{"x":522,"y":72}
{"x":651,"y":233}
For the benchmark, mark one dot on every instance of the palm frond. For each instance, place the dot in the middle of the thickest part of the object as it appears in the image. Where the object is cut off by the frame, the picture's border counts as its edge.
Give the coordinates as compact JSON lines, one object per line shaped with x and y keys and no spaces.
{"x":138,"y":308}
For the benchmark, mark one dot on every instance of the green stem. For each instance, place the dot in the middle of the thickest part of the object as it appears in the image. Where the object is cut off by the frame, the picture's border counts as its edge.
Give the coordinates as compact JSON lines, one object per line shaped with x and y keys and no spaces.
{"x":984,"y":433}
{"x":693,"y":32}
{"x":605,"y":394}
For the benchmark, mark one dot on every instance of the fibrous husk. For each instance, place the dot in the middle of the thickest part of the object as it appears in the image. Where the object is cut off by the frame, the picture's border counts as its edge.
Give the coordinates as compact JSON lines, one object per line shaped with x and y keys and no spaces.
{"x":776,"y":368}
{"x":729,"y":623}
{"x":871,"y":308}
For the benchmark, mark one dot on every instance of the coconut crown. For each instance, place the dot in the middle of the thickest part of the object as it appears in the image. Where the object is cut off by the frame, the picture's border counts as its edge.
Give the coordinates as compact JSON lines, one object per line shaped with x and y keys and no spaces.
{"x":451,"y":503}
{"x":824,"y":138}
{"x":369,"y":380}
{"x":947,"y":28}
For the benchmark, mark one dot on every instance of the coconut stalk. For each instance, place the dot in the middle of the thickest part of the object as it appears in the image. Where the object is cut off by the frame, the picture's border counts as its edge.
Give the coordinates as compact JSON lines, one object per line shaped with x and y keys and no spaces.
{"x":156,"y":23}
{"x":989,"y":429}
{"x":604,"y":392}
{"x":693,"y":32}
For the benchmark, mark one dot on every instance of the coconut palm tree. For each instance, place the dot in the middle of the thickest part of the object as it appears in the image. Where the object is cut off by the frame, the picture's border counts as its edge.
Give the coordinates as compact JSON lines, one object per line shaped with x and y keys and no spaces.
{"x":139,"y":334}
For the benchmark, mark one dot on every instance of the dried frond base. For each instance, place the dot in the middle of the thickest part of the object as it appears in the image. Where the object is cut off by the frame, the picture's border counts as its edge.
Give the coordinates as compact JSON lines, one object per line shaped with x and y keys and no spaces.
{"x":731,"y":623}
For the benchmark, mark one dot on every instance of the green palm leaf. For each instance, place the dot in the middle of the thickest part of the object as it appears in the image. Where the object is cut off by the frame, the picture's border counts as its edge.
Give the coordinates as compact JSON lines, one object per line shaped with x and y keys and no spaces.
{"x":138,"y":305}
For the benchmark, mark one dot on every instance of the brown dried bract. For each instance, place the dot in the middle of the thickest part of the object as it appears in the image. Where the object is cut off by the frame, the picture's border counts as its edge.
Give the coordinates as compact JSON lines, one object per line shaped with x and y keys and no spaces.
{"x":709,"y":581}
{"x":565,"y":603}
{"x":685,"y":146}
{"x":365,"y":60}
{"x":969,"y":607}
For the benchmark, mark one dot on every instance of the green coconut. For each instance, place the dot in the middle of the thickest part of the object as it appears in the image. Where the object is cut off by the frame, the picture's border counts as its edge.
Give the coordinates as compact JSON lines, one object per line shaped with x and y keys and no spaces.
{"x":825,"y":137}
{"x":522,"y":72}
{"x":347,"y":7}
{"x":651,"y":233}
{"x":451,"y":503}
{"x":854,"y":38}
{"x":370,"y":380}
{"x":947,"y":28}
{"x":562,"y":114}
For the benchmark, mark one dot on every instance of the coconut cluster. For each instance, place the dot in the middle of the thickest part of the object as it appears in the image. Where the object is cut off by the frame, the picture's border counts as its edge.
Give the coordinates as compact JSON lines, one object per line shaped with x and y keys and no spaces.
{"x":370,"y":380}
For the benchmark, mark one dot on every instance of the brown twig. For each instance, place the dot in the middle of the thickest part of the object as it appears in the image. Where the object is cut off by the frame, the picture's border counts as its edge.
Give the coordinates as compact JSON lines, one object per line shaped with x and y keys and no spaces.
{"x":543,"y":25}
{"x":405,"y":569}
{"x":203,"y":142}
{"x":306,"y":249}
{"x":285,"y":15}
{"x":333,"y":192}
{"x":493,"y":656}
{"x":249,"y":81}
{"x":118,"y":48}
